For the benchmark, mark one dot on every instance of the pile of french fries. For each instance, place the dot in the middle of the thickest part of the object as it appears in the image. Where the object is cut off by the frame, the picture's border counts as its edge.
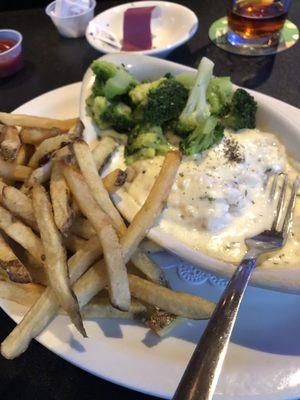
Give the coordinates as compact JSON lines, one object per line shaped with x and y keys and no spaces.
{"x":64,"y":247}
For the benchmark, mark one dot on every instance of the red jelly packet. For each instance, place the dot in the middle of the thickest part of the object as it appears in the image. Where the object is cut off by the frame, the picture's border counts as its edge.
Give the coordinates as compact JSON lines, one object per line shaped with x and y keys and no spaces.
{"x":137,"y":29}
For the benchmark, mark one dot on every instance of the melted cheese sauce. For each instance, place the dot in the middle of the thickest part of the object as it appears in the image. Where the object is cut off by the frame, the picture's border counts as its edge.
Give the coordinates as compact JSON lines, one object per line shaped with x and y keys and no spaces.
{"x":221,"y":196}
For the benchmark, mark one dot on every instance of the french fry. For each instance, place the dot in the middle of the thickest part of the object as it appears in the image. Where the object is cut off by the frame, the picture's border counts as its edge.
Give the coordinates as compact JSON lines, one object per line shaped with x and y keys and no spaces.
{"x":19,"y":204}
{"x":154,"y":203}
{"x":36,"y":136}
{"x":21,"y":234}
{"x":39,"y":175}
{"x":25,"y":293}
{"x":61,"y":199}
{"x":56,"y":260}
{"x":21,"y":156}
{"x":148,"y":267}
{"x":46,"y":306}
{"x":103,"y":150}
{"x":87,"y":204}
{"x":38,"y":122}
{"x":14,"y":172}
{"x":100,"y":307}
{"x":148,"y":246}
{"x":114,"y":180}
{"x":45,"y":150}
{"x":90,"y":173}
{"x":82,"y":227}
{"x":178,"y":303}
{"x":11,"y":266}
{"x":130,"y":173}
{"x":118,"y":286}
{"x":162,"y":322}
{"x":10,"y":143}
{"x":92,"y":281}
{"x":73,"y":242}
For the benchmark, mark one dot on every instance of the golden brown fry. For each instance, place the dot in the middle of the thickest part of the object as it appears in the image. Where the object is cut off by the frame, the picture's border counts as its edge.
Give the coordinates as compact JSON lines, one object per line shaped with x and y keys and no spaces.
{"x":148,"y":246}
{"x":148,"y":267}
{"x":178,"y":303}
{"x":87,"y":204}
{"x":45,"y":150}
{"x":46,"y":306}
{"x":10,"y":143}
{"x":36,"y":136}
{"x":82,"y":227}
{"x":88,"y":285}
{"x":10,"y":265}
{"x":21,"y":156}
{"x":21,"y":234}
{"x":61,"y":199}
{"x":118,"y":286}
{"x":154,"y":203}
{"x":74,"y":243}
{"x":25,"y":293}
{"x":56,"y":259}
{"x":19,"y":204}
{"x":114,"y":180}
{"x":100,"y":307}
{"x":39,"y":175}
{"x":14,"y":172}
{"x":131,"y":173}
{"x":38,"y":122}
{"x":90,"y":173}
{"x":103,"y":150}
{"x":162,"y":322}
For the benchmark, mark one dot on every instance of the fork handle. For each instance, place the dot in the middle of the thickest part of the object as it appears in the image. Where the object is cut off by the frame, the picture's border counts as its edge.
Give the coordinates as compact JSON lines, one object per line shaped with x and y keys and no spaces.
{"x":201,"y":375}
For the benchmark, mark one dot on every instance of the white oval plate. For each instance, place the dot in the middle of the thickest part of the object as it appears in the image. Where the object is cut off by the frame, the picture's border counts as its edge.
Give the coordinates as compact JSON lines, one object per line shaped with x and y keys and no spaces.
{"x":269,"y":119}
{"x":263,"y":362}
{"x":172,"y":25}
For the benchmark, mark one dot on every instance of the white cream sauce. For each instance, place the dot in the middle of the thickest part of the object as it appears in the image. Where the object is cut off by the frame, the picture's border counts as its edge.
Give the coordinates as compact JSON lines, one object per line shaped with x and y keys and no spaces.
{"x":220,"y":198}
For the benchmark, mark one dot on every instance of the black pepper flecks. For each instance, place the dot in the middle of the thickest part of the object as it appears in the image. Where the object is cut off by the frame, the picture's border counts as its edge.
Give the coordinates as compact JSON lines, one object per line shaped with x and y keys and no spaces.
{"x":233,"y":151}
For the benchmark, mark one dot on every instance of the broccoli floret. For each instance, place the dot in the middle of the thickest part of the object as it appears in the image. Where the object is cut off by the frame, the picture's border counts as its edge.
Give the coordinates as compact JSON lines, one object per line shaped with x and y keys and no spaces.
{"x":97,"y":106}
{"x":187,"y":79}
{"x":165,"y":102}
{"x":118,"y":116}
{"x":145,"y":142}
{"x":111,"y":80}
{"x":219,"y":94}
{"x":140,"y":92}
{"x":242,"y":113}
{"x":208,"y":133}
{"x":196,"y":107}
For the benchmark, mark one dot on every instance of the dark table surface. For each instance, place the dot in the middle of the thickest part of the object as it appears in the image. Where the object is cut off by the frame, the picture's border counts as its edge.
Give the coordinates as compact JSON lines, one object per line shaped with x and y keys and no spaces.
{"x":52,"y":61}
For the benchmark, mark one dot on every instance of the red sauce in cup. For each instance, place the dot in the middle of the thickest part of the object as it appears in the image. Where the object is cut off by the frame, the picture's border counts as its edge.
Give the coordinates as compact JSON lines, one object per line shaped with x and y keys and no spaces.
{"x":6,"y":44}
{"x":9,"y":65}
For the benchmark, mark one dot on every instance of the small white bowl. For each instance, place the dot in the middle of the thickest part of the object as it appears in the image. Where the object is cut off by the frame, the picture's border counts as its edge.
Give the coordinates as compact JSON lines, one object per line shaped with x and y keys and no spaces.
{"x":73,"y":26}
{"x":173,"y":26}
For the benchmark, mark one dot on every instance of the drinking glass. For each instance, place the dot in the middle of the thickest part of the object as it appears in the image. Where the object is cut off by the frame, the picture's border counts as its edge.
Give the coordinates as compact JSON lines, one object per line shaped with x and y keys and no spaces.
{"x":256,"y":23}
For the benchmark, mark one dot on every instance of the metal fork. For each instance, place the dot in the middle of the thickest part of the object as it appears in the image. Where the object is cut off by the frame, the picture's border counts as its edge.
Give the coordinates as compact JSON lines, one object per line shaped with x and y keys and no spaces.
{"x":202,"y":373}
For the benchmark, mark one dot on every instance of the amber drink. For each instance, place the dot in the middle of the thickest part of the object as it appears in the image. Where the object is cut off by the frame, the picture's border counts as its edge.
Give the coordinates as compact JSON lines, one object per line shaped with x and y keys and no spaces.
{"x":256,"y":23}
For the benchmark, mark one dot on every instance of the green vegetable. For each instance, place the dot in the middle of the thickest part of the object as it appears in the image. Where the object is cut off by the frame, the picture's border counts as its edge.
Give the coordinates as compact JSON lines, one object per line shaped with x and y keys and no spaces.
{"x":187,"y":79}
{"x":97,"y":106}
{"x":119,"y":117}
{"x":196,"y":107}
{"x":242,"y":111}
{"x":145,"y":142}
{"x":140,"y":92}
{"x":219,"y":94}
{"x":208,"y":133}
{"x":165,"y":102}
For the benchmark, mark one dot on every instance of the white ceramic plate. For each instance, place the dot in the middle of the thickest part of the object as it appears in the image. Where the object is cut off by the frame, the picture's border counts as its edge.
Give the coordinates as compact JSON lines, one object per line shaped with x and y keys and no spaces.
{"x":263,"y":362}
{"x":172,"y":25}
{"x":269,"y":119}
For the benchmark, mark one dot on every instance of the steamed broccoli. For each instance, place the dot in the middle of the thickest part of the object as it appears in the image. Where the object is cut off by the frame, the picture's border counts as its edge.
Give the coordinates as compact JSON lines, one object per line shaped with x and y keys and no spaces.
{"x":208,"y":133}
{"x":140,"y":92}
{"x":145,"y":142}
{"x":219,"y":94}
{"x":111,"y":80}
{"x":165,"y":102}
{"x":242,"y":111}
{"x":119,"y":117}
{"x":108,"y":114}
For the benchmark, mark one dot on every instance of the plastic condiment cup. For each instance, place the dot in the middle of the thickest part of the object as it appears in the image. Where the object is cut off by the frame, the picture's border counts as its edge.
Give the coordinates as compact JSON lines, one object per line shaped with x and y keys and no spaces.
{"x":72,"y":26}
{"x":11,"y":60}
